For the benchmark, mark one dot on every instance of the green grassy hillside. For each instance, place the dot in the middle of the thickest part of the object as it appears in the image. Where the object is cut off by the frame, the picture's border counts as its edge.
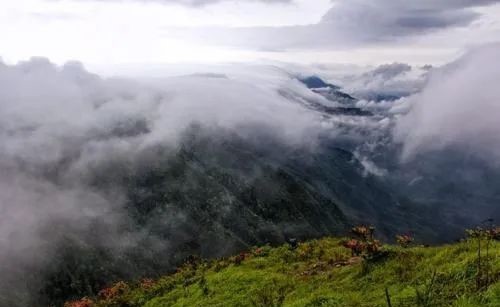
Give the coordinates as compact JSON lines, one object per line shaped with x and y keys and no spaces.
{"x":323,"y":273}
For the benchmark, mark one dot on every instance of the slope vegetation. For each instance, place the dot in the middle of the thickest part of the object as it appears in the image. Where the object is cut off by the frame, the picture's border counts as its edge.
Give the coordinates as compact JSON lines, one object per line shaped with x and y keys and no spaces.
{"x":323,"y":273}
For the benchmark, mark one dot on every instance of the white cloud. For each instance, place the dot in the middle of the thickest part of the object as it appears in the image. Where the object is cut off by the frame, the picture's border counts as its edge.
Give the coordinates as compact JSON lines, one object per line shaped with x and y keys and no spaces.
{"x":387,"y":82}
{"x":458,"y":108}
{"x":59,"y":126}
{"x":350,"y":24}
{"x":200,"y":2}
{"x":152,"y":32}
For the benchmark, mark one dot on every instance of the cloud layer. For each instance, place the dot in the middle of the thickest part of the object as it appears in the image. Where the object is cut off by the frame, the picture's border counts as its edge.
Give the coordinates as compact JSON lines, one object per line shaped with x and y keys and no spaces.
{"x":61,"y":126}
{"x":202,"y":2}
{"x":382,"y":20}
{"x":350,"y":23}
{"x":459,"y":108}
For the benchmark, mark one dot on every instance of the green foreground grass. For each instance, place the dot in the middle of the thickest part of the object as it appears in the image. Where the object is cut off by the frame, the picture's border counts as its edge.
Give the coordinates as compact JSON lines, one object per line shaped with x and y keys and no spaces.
{"x":322,"y":273}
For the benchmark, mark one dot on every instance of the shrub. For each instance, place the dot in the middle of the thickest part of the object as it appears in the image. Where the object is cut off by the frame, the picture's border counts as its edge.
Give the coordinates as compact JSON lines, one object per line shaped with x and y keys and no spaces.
{"x":147,"y":283}
{"x":115,"y":291}
{"x":325,"y":302}
{"x":425,"y":296}
{"x":355,"y":246}
{"x":366,"y":245}
{"x":483,"y":237}
{"x":84,"y":302}
{"x":261,"y":251}
{"x":305,"y":251}
{"x":203,"y":284}
{"x":364,"y":232}
{"x":404,"y":240}
{"x":373,"y":247}
{"x":237,"y":260}
{"x":293,"y":242}
{"x":272,"y":295}
{"x":494,"y":233}
{"x":192,"y":262}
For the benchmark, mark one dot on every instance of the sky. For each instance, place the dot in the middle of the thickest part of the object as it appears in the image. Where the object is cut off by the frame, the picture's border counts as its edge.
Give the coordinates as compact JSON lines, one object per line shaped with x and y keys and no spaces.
{"x":109,"y":35}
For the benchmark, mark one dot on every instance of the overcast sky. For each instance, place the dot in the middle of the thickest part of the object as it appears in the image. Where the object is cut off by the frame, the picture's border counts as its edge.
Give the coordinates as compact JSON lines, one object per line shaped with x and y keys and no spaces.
{"x":104,"y":34}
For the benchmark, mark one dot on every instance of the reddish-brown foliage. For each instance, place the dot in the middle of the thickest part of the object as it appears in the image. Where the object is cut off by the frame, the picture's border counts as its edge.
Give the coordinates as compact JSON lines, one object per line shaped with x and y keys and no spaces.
{"x":365,"y":245}
{"x":84,"y":302}
{"x":355,"y":246}
{"x":404,"y":240}
{"x":373,"y":247}
{"x":494,"y":233}
{"x":147,"y":283}
{"x":364,"y":232}
{"x":258,"y":251}
{"x":112,"y":292}
{"x":237,"y":260}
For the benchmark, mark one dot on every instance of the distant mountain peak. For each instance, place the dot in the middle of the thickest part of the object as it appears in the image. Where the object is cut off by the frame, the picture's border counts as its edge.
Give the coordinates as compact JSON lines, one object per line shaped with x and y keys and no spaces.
{"x":329,"y":91}
{"x":315,"y":82}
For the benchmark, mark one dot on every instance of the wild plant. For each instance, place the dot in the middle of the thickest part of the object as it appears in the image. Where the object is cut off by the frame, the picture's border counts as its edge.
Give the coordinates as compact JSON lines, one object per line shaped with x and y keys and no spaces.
{"x":404,"y":240}
{"x":365,"y":244}
{"x":483,"y":237}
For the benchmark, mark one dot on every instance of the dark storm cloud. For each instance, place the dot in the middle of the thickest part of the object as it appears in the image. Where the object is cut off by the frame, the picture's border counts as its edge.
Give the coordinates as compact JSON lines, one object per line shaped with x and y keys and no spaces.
{"x":348,"y":23}
{"x":386,"y":19}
